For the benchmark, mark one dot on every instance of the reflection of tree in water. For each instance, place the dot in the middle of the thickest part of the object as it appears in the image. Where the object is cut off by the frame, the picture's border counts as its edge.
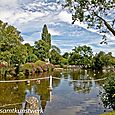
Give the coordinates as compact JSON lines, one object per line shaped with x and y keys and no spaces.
{"x":56,"y":82}
{"x":83,"y":87}
{"x":42,"y":91}
{"x":11,"y":93}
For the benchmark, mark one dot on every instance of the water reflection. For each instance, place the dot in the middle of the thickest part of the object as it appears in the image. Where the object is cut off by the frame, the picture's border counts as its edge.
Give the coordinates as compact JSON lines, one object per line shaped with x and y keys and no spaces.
{"x":66,"y":92}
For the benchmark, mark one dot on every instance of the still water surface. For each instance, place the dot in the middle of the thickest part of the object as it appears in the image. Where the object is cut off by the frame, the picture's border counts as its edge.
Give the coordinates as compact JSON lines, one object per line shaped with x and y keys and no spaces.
{"x":68,"y":97}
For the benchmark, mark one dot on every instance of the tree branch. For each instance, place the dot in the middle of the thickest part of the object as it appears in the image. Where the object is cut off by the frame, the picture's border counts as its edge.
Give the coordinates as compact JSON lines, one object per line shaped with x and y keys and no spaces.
{"x":106,"y":24}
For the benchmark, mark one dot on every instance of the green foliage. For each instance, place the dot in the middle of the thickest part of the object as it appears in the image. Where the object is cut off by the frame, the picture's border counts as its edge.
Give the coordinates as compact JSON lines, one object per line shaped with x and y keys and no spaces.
{"x":113,"y":61}
{"x":81,"y":55}
{"x":28,"y":66}
{"x":10,"y":39}
{"x":29,"y":48}
{"x":41,"y":49}
{"x":108,"y":96}
{"x":46,"y":36}
{"x":101,"y":59}
{"x":94,"y":12}
{"x":39,"y":63}
{"x":32,"y":58}
{"x":55,"y":57}
{"x":64,"y":61}
{"x":19,"y":54}
{"x":53,"y":47}
{"x":65,"y":55}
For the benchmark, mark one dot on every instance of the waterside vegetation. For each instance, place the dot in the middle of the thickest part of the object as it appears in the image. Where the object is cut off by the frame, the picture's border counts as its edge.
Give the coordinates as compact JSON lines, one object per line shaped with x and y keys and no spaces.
{"x":18,"y":59}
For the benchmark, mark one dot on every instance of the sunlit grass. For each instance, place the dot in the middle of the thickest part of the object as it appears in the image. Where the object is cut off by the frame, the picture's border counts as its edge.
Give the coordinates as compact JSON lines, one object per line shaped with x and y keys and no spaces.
{"x":109,"y":113}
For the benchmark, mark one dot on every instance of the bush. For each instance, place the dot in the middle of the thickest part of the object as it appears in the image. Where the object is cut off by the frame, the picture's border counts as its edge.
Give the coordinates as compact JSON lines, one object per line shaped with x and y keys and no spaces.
{"x":108,"y":96}
{"x":50,"y":67}
{"x":28,"y":68}
{"x":39,"y":63}
{"x":39,"y":69}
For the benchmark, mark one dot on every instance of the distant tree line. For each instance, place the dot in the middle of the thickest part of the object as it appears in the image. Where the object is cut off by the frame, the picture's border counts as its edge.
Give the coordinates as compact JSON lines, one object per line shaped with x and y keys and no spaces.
{"x":84,"y":57}
{"x":14,"y":54}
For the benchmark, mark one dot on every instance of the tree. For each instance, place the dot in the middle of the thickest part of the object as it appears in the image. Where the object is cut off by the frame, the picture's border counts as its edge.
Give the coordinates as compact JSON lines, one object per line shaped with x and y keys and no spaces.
{"x":66,"y":55}
{"x":46,"y":36}
{"x":94,"y":12}
{"x":29,"y":48}
{"x":41,"y":50}
{"x":108,"y":96}
{"x":101,"y":59}
{"x":32,"y":58}
{"x":53,"y":47}
{"x":9,"y":37}
{"x":81,"y":55}
{"x":55,"y":57}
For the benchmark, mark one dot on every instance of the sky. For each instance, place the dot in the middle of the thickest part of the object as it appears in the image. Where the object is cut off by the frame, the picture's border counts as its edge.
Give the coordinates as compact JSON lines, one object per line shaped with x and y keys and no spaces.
{"x":29,"y":16}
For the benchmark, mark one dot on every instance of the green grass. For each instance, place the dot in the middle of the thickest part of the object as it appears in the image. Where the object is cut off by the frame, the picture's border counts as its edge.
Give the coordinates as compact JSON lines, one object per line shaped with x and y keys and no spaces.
{"x":109,"y":113}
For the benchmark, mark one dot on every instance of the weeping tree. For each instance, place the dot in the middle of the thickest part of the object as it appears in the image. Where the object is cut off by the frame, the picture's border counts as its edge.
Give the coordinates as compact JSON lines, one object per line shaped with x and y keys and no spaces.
{"x":98,"y":14}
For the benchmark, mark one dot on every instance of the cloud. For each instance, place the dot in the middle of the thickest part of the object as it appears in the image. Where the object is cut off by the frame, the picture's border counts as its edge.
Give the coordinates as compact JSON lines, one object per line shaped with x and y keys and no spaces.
{"x":65,"y":17}
{"x":54,"y":32}
{"x":29,"y":16}
{"x":8,"y":2}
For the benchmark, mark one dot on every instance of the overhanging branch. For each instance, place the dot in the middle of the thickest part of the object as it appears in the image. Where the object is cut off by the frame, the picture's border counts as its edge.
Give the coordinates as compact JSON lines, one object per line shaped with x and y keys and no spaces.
{"x":106,"y":24}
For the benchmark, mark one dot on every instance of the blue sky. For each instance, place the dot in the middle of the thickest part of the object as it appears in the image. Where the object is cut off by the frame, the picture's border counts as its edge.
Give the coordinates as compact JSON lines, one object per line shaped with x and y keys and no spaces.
{"x":29,"y":16}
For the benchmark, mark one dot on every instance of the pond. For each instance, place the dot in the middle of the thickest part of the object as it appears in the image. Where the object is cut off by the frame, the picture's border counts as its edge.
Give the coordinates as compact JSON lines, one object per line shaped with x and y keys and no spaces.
{"x":73,"y":93}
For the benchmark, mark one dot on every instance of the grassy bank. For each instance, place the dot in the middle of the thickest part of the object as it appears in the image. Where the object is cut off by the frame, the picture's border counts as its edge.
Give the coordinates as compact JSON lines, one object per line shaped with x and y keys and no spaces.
{"x":109,"y":113}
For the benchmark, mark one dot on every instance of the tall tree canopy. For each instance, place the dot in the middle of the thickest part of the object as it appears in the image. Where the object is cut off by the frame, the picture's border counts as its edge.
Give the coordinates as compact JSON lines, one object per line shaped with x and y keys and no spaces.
{"x":46,"y":36}
{"x":9,"y":37}
{"x":41,"y":49}
{"x":10,"y":43}
{"x":95,"y":12}
{"x":81,"y":55}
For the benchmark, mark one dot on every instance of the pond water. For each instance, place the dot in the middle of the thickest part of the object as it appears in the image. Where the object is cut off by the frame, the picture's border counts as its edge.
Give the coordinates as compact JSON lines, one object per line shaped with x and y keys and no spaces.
{"x":71,"y":95}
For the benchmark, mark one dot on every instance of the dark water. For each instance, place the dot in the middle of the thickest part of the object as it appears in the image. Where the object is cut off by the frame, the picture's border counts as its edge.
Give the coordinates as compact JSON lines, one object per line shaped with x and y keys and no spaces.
{"x":68,"y":97}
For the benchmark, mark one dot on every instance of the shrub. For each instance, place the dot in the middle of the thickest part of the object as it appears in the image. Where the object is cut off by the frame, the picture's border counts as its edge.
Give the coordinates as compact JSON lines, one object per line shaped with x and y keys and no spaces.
{"x":39,"y":69}
{"x":39,"y":63}
{"x":108,"y":96}
{"x":28,"y":68}
{"x":50,"y":67}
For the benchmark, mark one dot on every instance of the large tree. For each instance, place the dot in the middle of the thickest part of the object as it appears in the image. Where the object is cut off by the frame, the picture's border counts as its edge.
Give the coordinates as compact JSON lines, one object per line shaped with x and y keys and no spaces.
{"x":102,"y":59}
{"x":46,"y":36}
{"x":81,"y":55}
{"x":41,"y":50}
{"x":10,"y":38}
{"x":97,"y":13}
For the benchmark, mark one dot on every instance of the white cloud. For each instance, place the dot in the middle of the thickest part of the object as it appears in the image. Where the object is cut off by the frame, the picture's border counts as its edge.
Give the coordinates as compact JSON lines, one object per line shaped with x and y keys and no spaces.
{"x":30,"y":17}
{"x":53,"y":31}
{"x":66,"y":17}
{"x":8,"y":2}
